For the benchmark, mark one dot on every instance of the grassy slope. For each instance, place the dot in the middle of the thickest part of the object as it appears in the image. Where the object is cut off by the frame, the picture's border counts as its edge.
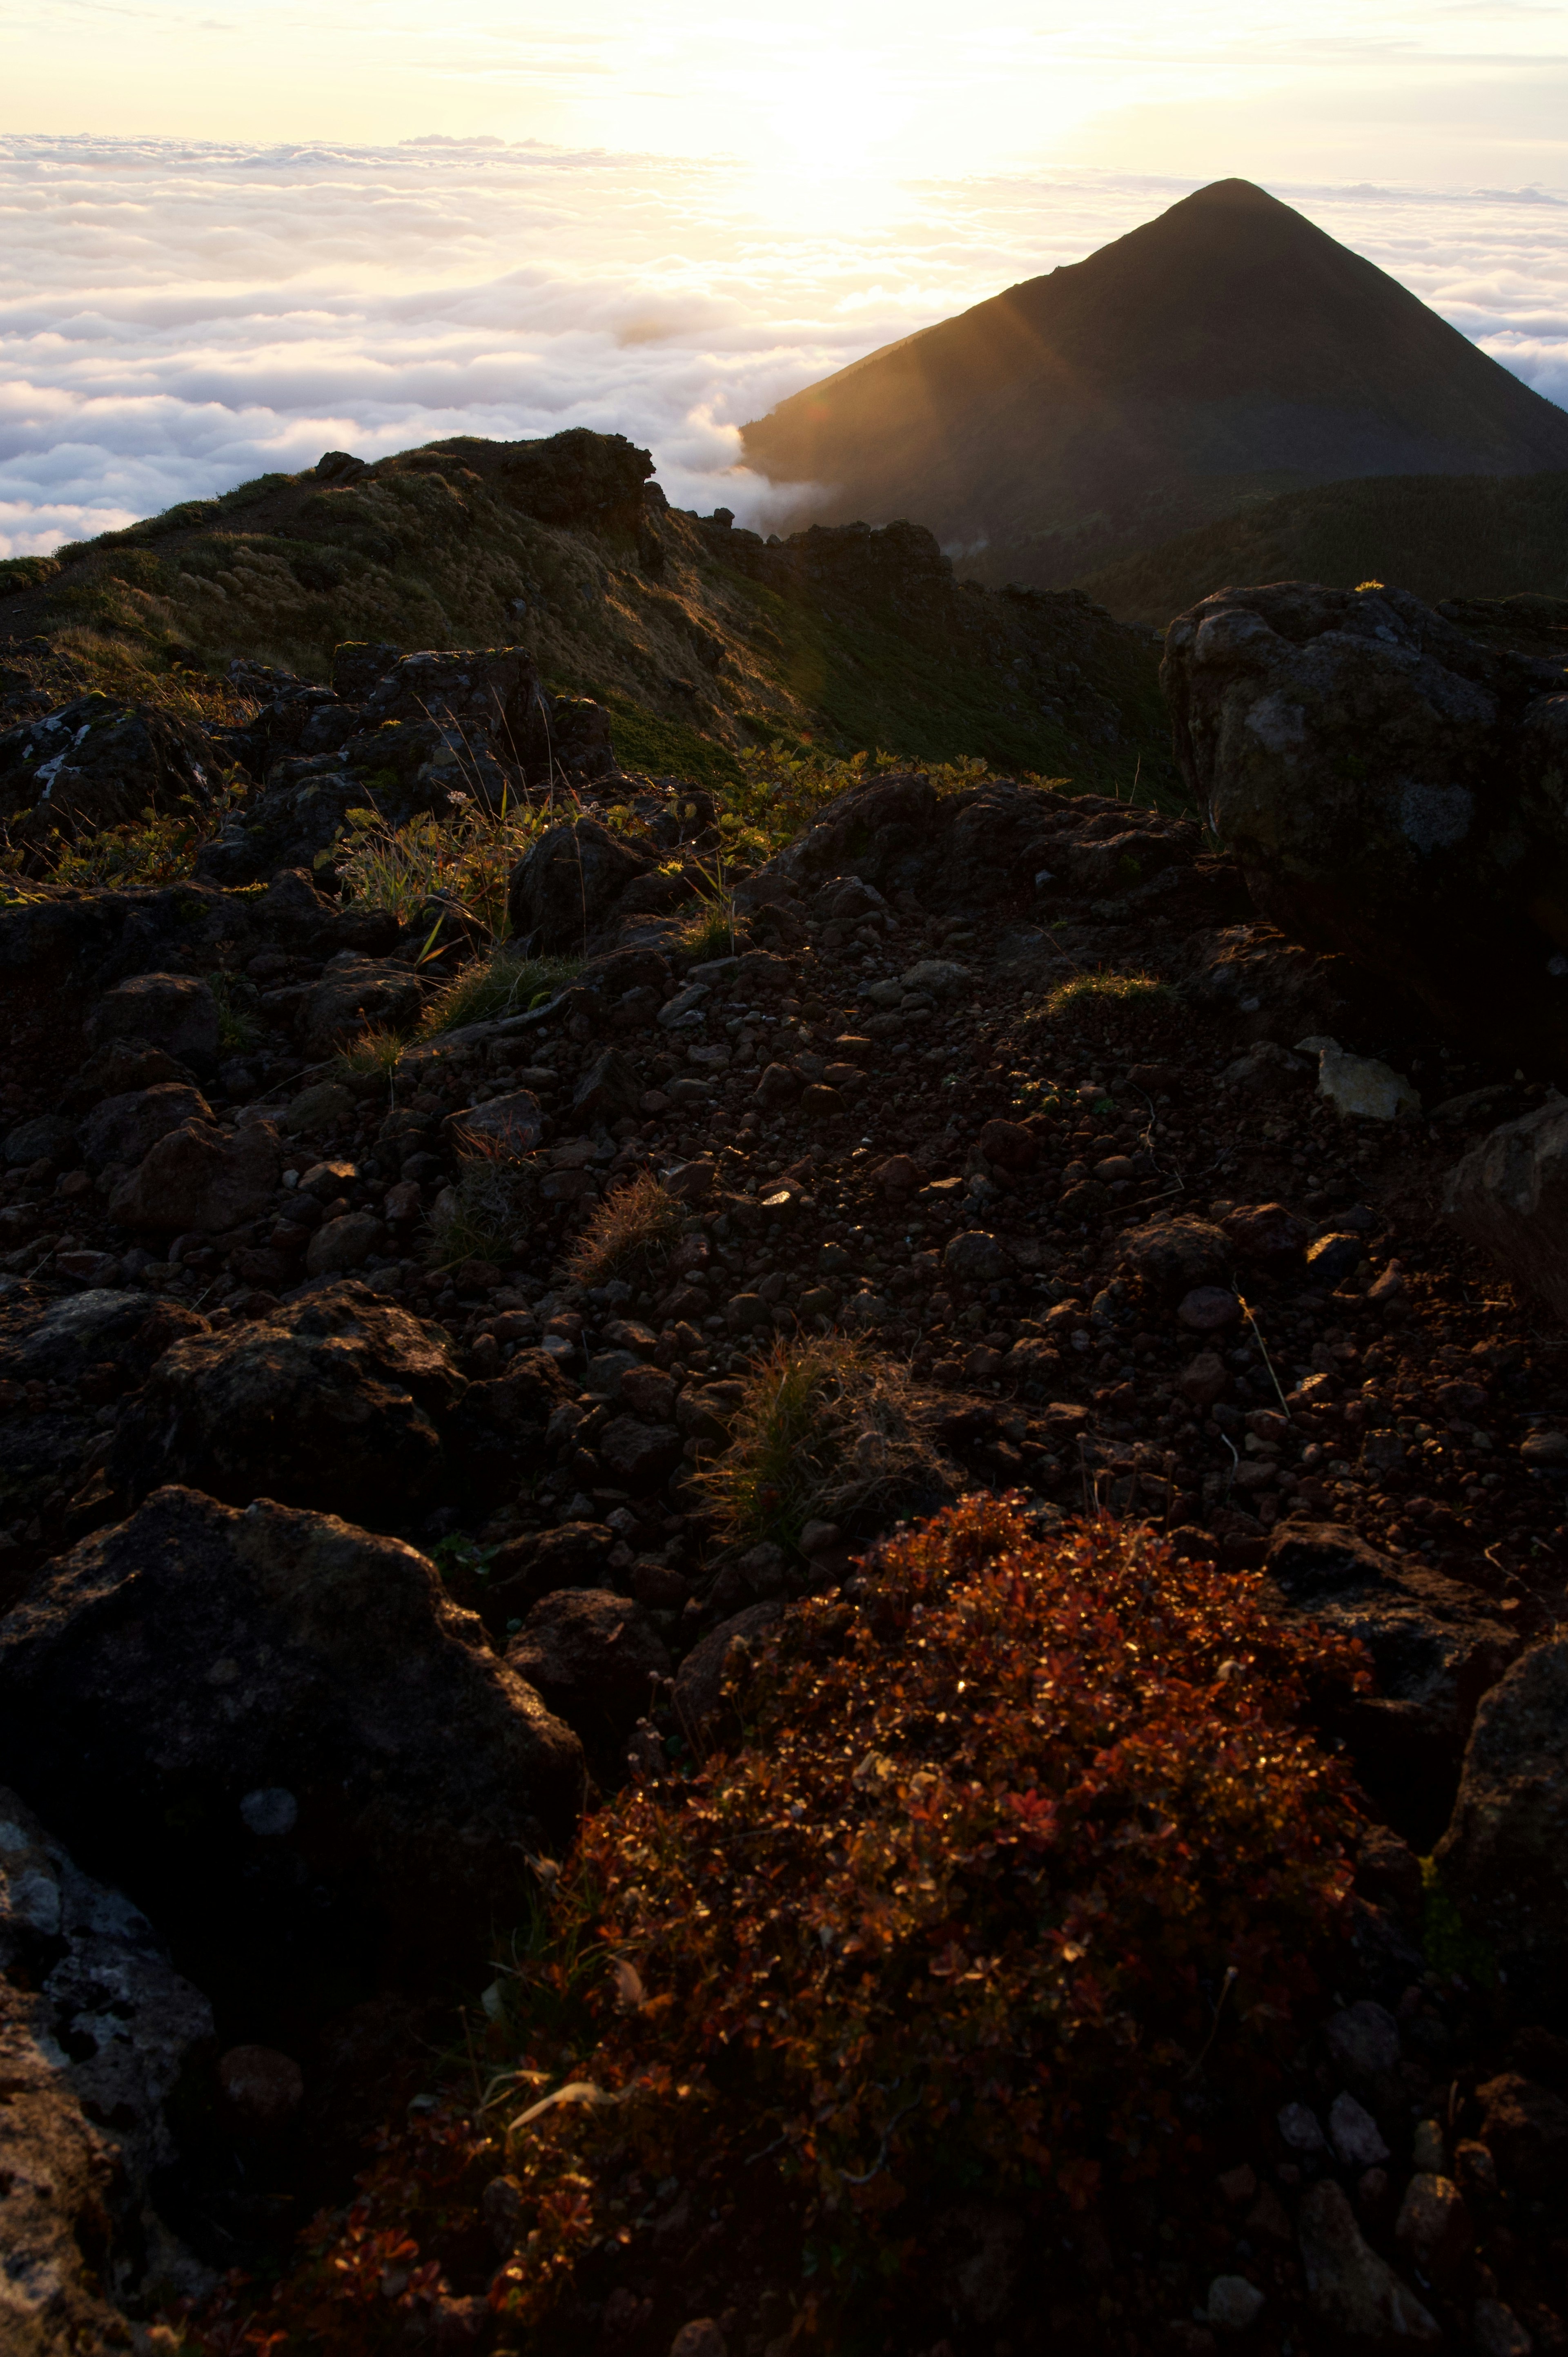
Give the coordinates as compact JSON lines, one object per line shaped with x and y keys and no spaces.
{"x":696,"y":656}
{"x":1437,"y":535}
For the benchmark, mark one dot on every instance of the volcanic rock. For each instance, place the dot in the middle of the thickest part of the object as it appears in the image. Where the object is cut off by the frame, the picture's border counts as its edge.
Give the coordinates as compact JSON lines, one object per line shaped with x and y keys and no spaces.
{"x":1509,"y":1194}
{"x":592,"y":1656}
{"x":1501,"y":1857}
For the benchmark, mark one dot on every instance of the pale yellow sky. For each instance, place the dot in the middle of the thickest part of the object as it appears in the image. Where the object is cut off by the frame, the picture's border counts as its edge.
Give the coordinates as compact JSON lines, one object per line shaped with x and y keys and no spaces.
{"x":828,"y":99}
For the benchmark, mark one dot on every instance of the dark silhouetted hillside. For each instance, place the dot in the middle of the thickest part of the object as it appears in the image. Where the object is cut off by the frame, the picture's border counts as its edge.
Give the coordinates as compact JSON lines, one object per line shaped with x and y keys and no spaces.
{"x":1225,"y":351}
{"x":1440,"y":536}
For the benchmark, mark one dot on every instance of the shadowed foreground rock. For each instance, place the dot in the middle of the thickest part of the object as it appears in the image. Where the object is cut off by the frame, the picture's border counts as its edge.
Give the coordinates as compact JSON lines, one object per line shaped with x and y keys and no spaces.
{"x":302,"y":1757}
{"x":1390,"y":788}
{"x":1502,"y":1855}
{"x":1510,"y":1196}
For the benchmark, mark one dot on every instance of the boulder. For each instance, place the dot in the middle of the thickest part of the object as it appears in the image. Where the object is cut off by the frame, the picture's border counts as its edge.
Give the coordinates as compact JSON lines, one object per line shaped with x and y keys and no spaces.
{"x":197,"y":1176}
{"x":593,"y":1657}
{"x":48,"y":1138}
{"x":1509,"y":1195}
{"x":1173,"y":1257}
{"x":368,"y":994}
{"x":639,"y":1455}
{"x":98,"y":762}
{"x":513,"y":1123}
{"x":1525,"y":2128}
{"x":125,"y":1128}
{"x":566,"y":886}
{"x":330,"y":1402}
{"x":1501,"y":1857}
{"x":975,"y":1258}
{"x":724,"y":1652}
{"x":64,"y":2193}
{"x":1435,"y":1648}
{"x":303,"y":1759}
{"x":51,"y":1338}
{"x":1391,"y":789}
{"x":341,"y":1244}
{"x":1353,"y":2293}
{"x":170,"y":1011}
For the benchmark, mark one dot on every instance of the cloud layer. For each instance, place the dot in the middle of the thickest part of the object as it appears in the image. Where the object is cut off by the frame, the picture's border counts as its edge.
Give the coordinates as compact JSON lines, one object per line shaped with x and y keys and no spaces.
{"x":175,"y":316}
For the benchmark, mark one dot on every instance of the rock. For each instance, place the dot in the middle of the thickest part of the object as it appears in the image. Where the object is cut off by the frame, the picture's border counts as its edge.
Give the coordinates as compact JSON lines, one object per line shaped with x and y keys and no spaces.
{"x":364,"y":995}
{"x":1496,"y":2330}
{"x":566,"y":886}
{"x":609,"y":1090}
{"x":819,"y":1102}
{"x":261,"y":2089}
{"x":514,"y":1122}
{"x":1266,"y":1233}
{"x":329,"y":1402}
{"x":1390,"y":788}
{"x":777,"y":1086}
{"x":700,"y":2338}
{"x":1434,"y":2232}
{"x":193,"y":1655}
{"x":50,"y":1138}
{"x":339,"y":1245}
{"x":724,"y":1651}
{"x":1353,"y":2292}
{"x":328,"y":1105}
{"x":1436,"y":1650}
{"x":1546,"y":1452}
{"x":897,"y":1177}
{"x":649,"y":1394}
{"x":200,"y":1178}
{"x":99,"y":762}
{"x":1173,"y":1257}
{"x":1363,"y":2039}
{"x":1509,"y":1195}
{"x":1031,"y":1361}
{"x":639,"y":1455}
{"x":64,"y":2187}
{"x":1331,"y":1259}
{"x":1359,"y":1086}
{"x":1501,"y":1858}
{"x":123,"y":1129}
{"x":1355,"y":2134}
{"x":1205,"y":1379}
{"x":170,"y":1011}
{"x":125,"y":1067}
{"x":48,"y":1339}
{"x":592,"y":1657}
{"x":1301,"y":2129}
{"x":1208,"y":1310}
{"x":1525,"y":2128}
{"x":1233,"y":2303}
{"x":975,"y":1258}
{"x":1008,"y":1145}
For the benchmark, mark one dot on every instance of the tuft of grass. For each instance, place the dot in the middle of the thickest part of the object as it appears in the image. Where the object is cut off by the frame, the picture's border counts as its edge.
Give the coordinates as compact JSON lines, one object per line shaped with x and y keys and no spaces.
{"x":372,"y":1056}
{"x":489,"y":1212}
{"x":466,"y":859}
{"x":1088,"y":990}
{"x":710,"y":930}
{"x":1011,"y":1887}
{"x":828,"y":1430}
{"x":238,"y":1031}
{"x":630,"y":1234}
{"x":501,"y":984}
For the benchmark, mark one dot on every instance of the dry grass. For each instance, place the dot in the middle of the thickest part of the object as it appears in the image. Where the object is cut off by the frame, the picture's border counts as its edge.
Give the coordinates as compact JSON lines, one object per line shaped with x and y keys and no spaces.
{"x":1086,"y":991}
{"x":829,"y":1430}
{"x":628,"y":1234}
{"x":372,"y":1056}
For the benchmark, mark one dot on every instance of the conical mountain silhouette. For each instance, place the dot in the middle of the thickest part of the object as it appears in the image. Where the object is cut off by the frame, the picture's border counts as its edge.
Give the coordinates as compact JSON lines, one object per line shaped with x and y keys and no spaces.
{"x":1226,"y":351}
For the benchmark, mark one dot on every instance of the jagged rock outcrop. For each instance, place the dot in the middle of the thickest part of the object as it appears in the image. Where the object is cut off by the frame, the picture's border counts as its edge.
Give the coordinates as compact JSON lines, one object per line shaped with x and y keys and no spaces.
{"x":1390,"y":787}
{"x":99,"y":762}
{"x":1509,"y":1194}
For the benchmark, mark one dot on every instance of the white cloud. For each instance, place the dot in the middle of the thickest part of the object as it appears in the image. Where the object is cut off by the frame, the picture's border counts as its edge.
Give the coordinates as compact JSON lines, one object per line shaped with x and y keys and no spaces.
{"x":175,"y":316}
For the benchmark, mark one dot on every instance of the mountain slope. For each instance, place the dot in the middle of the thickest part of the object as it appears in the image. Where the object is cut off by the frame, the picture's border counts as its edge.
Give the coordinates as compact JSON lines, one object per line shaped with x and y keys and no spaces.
{"x":701,"y":640}
{"x":1227,"y":348}
{"x":1438,"y":536}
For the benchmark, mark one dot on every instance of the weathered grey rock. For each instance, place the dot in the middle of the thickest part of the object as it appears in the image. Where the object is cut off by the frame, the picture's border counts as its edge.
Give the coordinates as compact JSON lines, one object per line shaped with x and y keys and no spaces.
{"x":339,"y":1245}
{"x":369,"y":994}
{"x":976,"y":1257}
{"x":563,"y":889}
{"x":1391,"y":789}
{"x":592,"y":1656}
{"x":46,"y":1138}
{"x":330,"y":1402}
{"x":326,"y":1106}
{"x":192,"y":1657}
{"x":514,"y":1122}
{"x":170,"y":1011}
{"x":1501,"y":1857}
{"x":98,"y":762}
{"x":1351,"y":2290}
{"x":1360,"y":1087}
{"x":125,"y":1128}
{"x":197,"y":1176}
{"x":721,"y":1655}
{"x":1509,"y":1195}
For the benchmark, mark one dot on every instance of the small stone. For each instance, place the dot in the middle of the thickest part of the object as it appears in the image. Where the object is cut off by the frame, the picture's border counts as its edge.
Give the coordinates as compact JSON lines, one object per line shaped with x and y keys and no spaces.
{"x":819,"y":1102}
{"x":1205,"y":1379}
{"x":701,"y":2338}
{"x":262,"y":2088}
{"x":1353,"y":2292}
{"x":1497,"y":2333}
{"x":515,"y":1123}
{"x":1239,"y":2184}
{"x":1359,"y":1086}
{"x":1233,"y":2303}
{"x":638,"y":1455}
{"x":1207,"y":1308}
{"x":1545,"y":1450}
{"x":1354,"y":2134}
{"x":1300,"y":2129}
{"x":820,"y":1538}
{"x":1010,"y":1145}
{"x":326,"y":1106}
{"x":976,"y":1258}
{"x":1433,"y":2229}
{"x":270,"y":1812}
{"x":1364,"y":2041}
{"x":1333,"y":1258}
{"x":345,"y":1244}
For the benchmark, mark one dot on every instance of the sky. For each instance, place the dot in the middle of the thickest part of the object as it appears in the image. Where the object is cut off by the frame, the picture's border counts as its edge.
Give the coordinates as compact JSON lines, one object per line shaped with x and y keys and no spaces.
{"x":232,"y":236}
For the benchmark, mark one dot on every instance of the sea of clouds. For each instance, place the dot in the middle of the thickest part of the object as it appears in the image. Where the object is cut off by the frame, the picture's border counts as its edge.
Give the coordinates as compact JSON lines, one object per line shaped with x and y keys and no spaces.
{"x":176,"y":317}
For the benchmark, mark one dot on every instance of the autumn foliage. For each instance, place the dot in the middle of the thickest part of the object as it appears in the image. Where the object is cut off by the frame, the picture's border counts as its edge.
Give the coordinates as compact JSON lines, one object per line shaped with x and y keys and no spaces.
{"x":1023,"y":1845}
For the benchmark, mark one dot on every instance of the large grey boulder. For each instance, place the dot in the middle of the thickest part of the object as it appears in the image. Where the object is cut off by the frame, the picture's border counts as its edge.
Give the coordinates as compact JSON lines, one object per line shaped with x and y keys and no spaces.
{"x":286,"y":1742}
{"x":1509,"y":1195}
{"x":1391,"y":789}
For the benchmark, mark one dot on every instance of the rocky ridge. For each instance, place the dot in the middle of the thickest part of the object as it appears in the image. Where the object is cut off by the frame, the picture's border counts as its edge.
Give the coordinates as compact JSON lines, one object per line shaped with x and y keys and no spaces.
{"x":1139,"y":1192}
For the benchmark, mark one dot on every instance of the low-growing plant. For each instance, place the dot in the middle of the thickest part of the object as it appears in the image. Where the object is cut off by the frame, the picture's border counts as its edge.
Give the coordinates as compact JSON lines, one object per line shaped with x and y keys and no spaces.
{"x":630,"y":1234}
{"x":709,"y":931}
{"x":781,"y":792}
{"x":372,"y":1055}
{"x":1087,"y":990}
{"x":497,"y":985}
{"x":827,"y":1430}
{"x":1023,"y":1870}
{"x":467,"y":859}
{"x":238,"y":1030}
